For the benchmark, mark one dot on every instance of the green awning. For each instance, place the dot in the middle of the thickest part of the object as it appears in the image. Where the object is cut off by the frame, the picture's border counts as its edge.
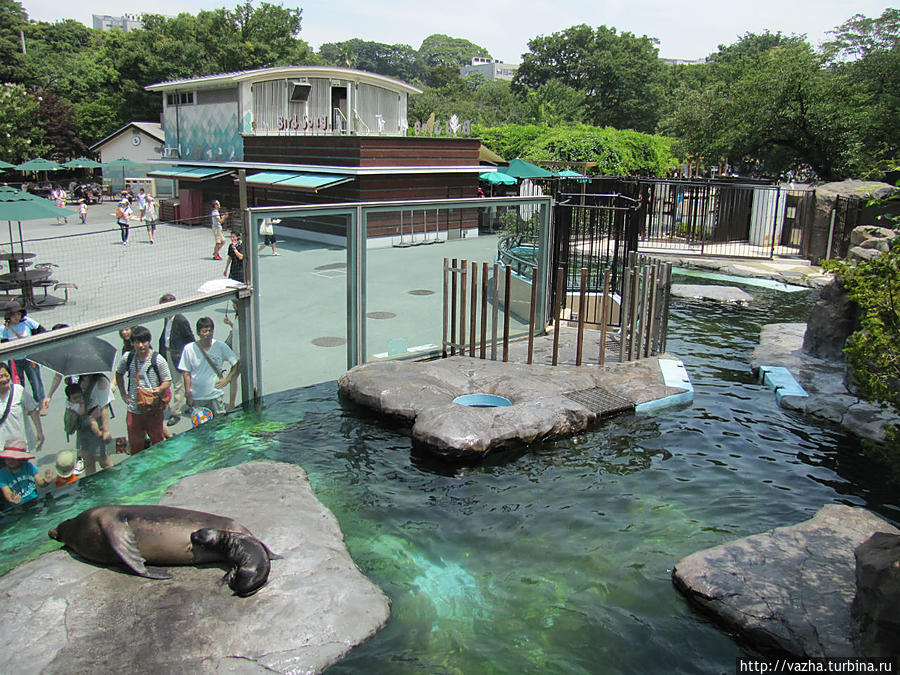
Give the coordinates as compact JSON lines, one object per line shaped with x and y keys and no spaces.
{"x":189,"y":173}
{"x":298,"y":180}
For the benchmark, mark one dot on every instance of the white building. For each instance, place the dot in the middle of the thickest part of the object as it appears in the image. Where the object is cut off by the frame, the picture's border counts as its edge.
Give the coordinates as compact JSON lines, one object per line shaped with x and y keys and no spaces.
{"x":490,"y":69}
{"x":127,"y":22}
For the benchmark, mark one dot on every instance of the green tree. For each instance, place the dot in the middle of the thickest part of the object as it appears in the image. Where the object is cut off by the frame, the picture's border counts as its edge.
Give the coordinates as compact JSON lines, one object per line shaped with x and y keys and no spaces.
{"x":21,"y":137}
{"x":57,"y":118}
{"x":616,"y":152}
{"x":767,"y":97}
{"x":398,"y":61}
{"x":13,"y":19}
{"x":865,"y":53}
{"x":619,"y":75}
{"x":443,"y":50}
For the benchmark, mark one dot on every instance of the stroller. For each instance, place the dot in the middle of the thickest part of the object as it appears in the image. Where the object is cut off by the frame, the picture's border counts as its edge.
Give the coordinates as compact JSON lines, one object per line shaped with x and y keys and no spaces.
{"x":89,"y":192}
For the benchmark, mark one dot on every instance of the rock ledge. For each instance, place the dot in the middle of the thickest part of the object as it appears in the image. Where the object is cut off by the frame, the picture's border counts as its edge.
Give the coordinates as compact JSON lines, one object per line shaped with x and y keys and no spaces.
{"x":66,"y":616}
{"x":789,"y":589}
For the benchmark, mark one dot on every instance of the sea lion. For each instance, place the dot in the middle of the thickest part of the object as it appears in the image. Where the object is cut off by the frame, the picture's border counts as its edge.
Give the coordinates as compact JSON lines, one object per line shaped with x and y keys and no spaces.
{"x":249,"y":558}
{"x":161,"y":535}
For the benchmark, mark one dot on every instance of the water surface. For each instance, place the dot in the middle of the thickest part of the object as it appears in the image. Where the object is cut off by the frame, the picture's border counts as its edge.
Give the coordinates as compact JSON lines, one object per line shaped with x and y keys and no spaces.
{"x":555,"y":558}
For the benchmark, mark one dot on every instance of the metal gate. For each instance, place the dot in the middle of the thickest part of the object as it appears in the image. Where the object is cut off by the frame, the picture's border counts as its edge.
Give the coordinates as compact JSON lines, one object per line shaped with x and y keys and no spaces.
{"x":596,"y":225}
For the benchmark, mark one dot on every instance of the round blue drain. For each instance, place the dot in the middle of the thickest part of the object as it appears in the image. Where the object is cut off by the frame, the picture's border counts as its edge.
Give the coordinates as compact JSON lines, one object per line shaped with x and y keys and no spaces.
{"x":482,"y":401}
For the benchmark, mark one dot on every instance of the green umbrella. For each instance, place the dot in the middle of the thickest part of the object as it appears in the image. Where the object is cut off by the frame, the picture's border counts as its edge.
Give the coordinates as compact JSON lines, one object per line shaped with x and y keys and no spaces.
{"x":522,"y":169}
{"x":6,"y":165}
{"x":39,"y":164}
{"x":19,"y":206}
{"x":497,"y":178}
{"x":82,"y":163}
{"x":123,"y":162}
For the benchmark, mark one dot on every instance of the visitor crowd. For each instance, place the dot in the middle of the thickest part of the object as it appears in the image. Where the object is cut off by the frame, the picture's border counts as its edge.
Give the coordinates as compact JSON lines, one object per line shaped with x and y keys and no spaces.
{"x":186,"y":375}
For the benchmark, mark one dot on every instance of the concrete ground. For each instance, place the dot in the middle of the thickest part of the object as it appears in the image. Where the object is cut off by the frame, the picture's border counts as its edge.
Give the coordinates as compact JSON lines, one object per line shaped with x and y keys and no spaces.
{"x":303,"y":295}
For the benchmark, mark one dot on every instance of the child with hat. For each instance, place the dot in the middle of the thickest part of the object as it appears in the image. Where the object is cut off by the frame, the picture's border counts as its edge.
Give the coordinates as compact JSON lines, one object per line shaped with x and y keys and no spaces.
{"x":65,"y":468}
{"x":19,"y":479}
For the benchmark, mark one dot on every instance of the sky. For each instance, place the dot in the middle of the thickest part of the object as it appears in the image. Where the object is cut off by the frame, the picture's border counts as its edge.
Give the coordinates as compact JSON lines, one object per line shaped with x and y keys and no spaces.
{"x":685,"y":30}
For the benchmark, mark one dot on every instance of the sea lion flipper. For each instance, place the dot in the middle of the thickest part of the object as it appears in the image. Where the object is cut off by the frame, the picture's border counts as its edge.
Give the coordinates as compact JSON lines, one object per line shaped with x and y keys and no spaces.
{"x":122,"y":540}
{"x":272,"y":555}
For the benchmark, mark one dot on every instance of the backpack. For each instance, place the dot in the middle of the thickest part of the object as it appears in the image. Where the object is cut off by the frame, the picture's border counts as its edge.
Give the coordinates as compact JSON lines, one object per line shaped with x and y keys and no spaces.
{"x":130,"y":359}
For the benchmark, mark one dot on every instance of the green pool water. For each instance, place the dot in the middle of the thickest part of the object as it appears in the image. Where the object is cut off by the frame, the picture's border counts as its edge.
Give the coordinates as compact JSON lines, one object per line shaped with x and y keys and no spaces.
{"x":552,"y":559}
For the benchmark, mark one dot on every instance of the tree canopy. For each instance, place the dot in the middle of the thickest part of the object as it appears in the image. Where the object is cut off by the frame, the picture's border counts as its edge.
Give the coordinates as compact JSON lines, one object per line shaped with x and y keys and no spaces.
{"x":768,"y":102}
{"x":618,"y":74}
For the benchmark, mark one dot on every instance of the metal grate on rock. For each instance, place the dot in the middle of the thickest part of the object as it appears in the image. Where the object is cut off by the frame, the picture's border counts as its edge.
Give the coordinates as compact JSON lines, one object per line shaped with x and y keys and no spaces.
{"x":601,"y":401}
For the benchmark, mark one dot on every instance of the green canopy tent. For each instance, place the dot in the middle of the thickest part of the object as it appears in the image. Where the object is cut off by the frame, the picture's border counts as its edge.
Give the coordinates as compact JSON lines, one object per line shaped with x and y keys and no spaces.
{"x":17,"y":205}
{"x":38,"y":164}
{"x":82,"y":163}
{"x":493,"y":178}
{"x":519,"y":168}
{"x":497,"y":178}
{"x":124,"y":163}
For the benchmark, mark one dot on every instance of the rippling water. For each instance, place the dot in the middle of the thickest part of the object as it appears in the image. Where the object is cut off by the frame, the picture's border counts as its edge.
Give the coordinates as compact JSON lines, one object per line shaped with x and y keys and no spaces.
{"x":556,"y":558}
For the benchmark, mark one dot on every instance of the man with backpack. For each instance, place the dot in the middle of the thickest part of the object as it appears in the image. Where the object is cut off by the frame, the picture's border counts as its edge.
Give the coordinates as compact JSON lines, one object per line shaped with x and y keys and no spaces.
{"x":123,"y":215}
{"x":148,"y":392}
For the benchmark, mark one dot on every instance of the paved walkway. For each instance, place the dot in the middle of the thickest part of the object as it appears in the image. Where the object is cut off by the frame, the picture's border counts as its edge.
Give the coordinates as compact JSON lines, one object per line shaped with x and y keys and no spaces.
{"x":303,"y":295}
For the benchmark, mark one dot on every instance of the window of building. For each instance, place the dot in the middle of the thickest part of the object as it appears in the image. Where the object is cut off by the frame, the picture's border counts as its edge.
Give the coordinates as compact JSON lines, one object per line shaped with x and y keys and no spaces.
{"x":180,"y":98}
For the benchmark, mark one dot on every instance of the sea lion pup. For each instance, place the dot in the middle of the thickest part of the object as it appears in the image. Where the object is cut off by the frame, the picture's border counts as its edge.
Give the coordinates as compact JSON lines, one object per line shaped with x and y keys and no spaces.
{"x":248,"y":556}
{"x":139,"y":534}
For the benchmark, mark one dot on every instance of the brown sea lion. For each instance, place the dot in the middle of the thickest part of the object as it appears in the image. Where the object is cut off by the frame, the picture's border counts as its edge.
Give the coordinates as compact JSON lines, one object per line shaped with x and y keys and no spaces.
{"x":248,"y":556}
{"x":161,"y":535}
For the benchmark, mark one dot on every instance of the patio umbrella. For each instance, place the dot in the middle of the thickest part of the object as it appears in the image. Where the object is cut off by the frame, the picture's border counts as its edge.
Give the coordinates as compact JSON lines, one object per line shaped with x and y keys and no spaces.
{"x":19,"y":206}
{"x":497,"y":178}
{"x":568,"y":173}
{"x":123,"y":162}
{"x":522,"y":169}
{"x":82,"y":163}
{"x":6,"y":165}
{"x":79,"y":357}
{"x":218,"y":285}
{"x":38,"y":164}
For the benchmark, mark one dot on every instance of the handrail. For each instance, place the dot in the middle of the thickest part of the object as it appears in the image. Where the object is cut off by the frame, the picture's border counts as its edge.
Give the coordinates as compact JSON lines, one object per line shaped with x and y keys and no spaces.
{"x":340,"y":114}
{"x":360,"y":120}
{"x":520,"y":265}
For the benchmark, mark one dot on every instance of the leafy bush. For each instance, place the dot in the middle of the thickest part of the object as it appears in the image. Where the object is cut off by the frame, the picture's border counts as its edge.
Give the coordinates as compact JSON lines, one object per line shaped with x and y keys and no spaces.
{"x":616,"y":152}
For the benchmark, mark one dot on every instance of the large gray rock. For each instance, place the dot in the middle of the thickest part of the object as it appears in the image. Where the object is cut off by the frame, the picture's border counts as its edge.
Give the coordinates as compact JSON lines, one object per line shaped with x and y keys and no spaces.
{"x":877,"y":603}
{"x":789,"y":589}
{"x":780,"y":344}
{"x":65,"y":616}
{"x":821,"y":232}
{"x":833,"y":318}
{"x":422,"y":393}
{"x":868,"y":242}
{"x":730,"y":294}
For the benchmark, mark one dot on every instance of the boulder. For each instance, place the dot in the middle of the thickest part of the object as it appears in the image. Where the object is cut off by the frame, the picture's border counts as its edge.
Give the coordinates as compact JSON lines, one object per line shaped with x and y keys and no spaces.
{"x":833,"y":318}
{"x":877,"y":603}
{"x":787,"y":590}
{"x":545,"y":401}
{"x":868,"y":242}
{"x":730,"y":294}
{"x":62,"y":615}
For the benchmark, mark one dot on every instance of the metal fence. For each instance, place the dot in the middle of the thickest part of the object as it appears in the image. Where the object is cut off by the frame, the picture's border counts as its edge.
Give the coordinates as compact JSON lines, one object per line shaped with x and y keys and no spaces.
{"x":724,"y":219}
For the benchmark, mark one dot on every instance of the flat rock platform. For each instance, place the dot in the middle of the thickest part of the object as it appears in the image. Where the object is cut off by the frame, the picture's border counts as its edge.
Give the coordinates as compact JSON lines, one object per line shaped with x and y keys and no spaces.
{"x":788,"y":590}
{"x":62,"y":615}
{"x":546,"y":401}
{"x":781,"y":344}
{"x":711,"y":292}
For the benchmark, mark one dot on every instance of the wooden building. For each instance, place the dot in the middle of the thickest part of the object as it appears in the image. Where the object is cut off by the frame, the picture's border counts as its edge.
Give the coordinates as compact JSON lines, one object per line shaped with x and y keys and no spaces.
{"x":306,"y":135}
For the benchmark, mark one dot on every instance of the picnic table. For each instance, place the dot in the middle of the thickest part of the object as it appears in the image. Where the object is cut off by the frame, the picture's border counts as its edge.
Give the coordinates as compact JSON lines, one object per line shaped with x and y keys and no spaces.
{"x":26,"y":279}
